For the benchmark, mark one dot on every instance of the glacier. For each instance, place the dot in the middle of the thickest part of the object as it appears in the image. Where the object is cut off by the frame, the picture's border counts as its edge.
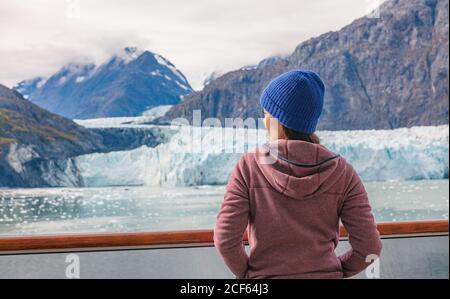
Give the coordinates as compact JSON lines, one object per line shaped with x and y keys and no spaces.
{"x":126,"y":121}
{"x":417,"y":153}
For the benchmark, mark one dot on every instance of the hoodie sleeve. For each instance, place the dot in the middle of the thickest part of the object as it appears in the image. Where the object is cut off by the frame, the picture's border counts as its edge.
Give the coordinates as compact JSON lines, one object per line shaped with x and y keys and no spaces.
{"x":232,"y":222}
{"x":357,"y":218}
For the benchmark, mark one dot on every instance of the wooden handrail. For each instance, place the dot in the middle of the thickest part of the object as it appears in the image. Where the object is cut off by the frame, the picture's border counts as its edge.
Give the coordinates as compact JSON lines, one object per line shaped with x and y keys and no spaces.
{"x":101,"y":242}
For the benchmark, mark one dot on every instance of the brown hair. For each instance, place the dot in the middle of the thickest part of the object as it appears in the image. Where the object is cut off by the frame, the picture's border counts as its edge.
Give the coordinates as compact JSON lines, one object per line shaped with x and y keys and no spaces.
{"x":294,"y":135}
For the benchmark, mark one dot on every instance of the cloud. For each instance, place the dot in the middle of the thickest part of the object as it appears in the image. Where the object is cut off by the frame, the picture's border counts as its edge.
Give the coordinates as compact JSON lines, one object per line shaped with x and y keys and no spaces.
{"x":198,"y":36}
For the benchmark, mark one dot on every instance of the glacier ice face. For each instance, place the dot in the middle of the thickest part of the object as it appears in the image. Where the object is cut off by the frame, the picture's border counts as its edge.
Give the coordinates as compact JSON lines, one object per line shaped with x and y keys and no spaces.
{"x":180,"y":162}
{"x":403,"y":154}
{"x":154,"y":113}
{"x":378,"y":155}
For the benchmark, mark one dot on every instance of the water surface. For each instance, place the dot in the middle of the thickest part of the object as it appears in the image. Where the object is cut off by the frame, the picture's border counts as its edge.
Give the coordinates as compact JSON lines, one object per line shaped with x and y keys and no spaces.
{"x":134,"y":209}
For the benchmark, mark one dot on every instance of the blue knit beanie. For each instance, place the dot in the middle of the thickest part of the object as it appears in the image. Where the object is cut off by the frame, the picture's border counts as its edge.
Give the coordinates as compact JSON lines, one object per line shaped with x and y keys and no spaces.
{"x":296,"y":100}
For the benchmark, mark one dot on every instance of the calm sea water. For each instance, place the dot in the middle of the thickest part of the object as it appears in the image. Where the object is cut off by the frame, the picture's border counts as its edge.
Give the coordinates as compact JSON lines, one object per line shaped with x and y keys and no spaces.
{"x":132,"y":209}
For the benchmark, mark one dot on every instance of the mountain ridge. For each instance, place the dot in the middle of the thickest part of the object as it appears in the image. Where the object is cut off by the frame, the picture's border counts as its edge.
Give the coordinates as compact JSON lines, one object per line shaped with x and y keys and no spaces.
{"x":380,"y":73}
{"x":31,"y":137}
{"x":37,"y":147}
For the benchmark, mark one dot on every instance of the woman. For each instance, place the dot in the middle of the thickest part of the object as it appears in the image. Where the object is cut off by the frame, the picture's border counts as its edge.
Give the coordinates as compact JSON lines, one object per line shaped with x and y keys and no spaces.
{"x":293,"y":205}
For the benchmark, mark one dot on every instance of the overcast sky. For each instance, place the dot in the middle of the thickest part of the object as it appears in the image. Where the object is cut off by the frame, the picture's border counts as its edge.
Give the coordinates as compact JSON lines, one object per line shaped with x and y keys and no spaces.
{"x":37,"y":37}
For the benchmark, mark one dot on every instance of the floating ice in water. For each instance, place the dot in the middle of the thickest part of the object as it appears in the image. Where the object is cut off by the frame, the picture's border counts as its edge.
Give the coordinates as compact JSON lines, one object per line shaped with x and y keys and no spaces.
{"x":378,"y":155}
{"x":129,"y":209}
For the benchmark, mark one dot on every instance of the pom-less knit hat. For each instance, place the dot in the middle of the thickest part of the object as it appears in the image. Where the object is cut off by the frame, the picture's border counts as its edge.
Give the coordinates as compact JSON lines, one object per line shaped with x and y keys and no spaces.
{"x":296,"y":100}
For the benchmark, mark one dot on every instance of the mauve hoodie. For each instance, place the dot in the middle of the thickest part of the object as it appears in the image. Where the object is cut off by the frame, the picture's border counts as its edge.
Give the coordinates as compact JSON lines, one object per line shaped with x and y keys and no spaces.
{"x":293,"y":208}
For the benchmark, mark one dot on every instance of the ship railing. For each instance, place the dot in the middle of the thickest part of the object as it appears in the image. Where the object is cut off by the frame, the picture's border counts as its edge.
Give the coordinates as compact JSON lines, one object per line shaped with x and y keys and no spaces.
{"x":94,"y":242}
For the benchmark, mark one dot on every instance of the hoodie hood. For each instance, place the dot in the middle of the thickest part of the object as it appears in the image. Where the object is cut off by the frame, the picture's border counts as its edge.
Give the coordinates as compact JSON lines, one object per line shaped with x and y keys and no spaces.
{"x":299,"y":169}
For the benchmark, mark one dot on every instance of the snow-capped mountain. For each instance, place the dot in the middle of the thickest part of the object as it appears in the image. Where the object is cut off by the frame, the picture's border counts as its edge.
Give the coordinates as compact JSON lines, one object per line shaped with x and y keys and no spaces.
{"x":128,"y":84}
{"x":28,"y":87}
